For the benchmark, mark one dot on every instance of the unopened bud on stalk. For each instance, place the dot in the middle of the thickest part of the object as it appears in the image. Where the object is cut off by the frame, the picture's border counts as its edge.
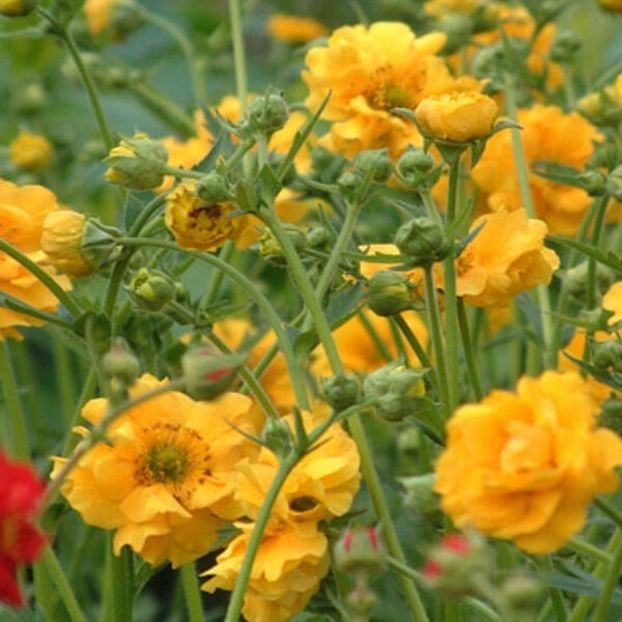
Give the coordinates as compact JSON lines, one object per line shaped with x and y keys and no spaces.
{"x":361,"y":601}
{"x":213,"y":188}
{"x":360,"y":551}
{"x":208,"y":374}
{"x":270,"y":248}
{"x":318,"y":237}
{"x":151,"y":290}
{"x":423,"y":241}
{"x":414,"y":165}
{"x":17,"y":8}
{"x":377,"y":161}
{"x":125,"y":17}
{"x":594,"y":183}
{"x":136,"y":163}
{"x":523,"y":595}
{"x":565,"y":47}
{"x":277,"y":435}
{"x":349,"y":183}
{"x":267,"y":114}
{"x":458,"y":29}
{"x":390,"y":293}
{"x":614,"y":183}
{"x":419,"y":493}
{"x":341,"y":391}
{"x":575,"y":280}
{"x":120,"y":364}
{"x":607,"y":355}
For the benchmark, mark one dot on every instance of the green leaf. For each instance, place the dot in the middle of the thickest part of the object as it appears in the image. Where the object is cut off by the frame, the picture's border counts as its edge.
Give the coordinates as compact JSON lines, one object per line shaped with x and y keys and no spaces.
{"x":344,"y":304}
{"x":565,"y":175}
{"x":269,"y":185}
{"x":606,"y":258}
{"x":611,"y":379}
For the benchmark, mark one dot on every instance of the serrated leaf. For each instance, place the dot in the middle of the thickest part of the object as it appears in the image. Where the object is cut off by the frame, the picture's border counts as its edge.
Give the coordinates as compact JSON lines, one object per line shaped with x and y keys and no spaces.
{"x":607,"y":258}
{"x":344,"y":304}
{"x":611,"y":379}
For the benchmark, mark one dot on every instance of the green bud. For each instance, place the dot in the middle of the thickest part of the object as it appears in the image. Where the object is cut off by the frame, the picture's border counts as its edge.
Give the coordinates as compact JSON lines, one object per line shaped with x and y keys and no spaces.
{"x":377,"y":161}
{"x":414,"y":165}
{"x":607,"y":355}
{"x":458,"y":29}
{"x":277,"y":435}
{"x":361,"y":601}
{"x":594,"y":183}
{"x":349,"y":183}
{"x":208,"y":374}
{"x":575,"y":280}
{"x":396,"y":389}
{"x":419,"y":493}
{"x":523,"y":595}
{"x":30,"y":99}
{"x":136,"y":163}
{"x":319,"y":237}
{"x":213,"y":188}
{"x":488,"y":61}
{"x":389,"y":293}
{"x":565,"y":47}
{"x":614,"y":183}
{"x":270,"y":249}
{"x":423,"y":241}
{"x":120,"y":364}
{"x":125,"y":17}
{"x":17,"y":8}
{"x":267,"y":114}
{"x":611,"y":415}
{"x":151,"y":290}
{"x":360,"y":551}
{"x":341,"y":391}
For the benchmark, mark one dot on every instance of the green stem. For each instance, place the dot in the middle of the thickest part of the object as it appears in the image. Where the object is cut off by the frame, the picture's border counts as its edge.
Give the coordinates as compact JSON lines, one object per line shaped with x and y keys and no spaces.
{"x":241,"y":582}
{"x":21,"y":307}
{"x":20,"y":446}
{"x":468,"y":351}
{"x":522,"y":174}
{"x":64,"y":378}
{"x":226,"y":252}
{"x":586,"y":548}
{"x":555,"y":594}
{"x":186,"y":48}
{"x":65,"y":592}
{"x":597,"y":232}
{"x":191,"y":592}
{"x":451,"y":299}
{"x":434,"y":326}
{"x":610,"y":583}
{"x":122,"y":575}
{"x":238,"y":53}
{"x":606,"y":508}
{"x":253,"y":291}
{"x":145,"y":215}
{"x":45,"y":278}
{"x":90,"y":384}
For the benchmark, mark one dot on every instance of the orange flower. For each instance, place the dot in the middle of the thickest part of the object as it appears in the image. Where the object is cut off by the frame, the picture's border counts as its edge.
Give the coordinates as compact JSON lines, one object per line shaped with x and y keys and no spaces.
{"x":293,"y":29}
{"x":22,"y":212}
{"x":612,"y":301}
{"x":506,"y":257}
{"x":548,"y":135}
{"x":524,"y":466}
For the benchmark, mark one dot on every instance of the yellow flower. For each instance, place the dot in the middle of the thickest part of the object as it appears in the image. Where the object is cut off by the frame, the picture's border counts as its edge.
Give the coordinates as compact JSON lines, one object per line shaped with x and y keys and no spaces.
{"x":524,"y":466}
{"x":22,"y":212}
{"x":457,"y":117}
{"x":370,"y":71}
{"x":612,"y":301}
{"x":165,"y":479}
{"x":292,"y":29}
{"x":98,"y":14}
{"x":61,"y":241}
{"x":287,"y":571}
{"x":548,"y":135}
{"x":17,"y":8}
{"x":611,"y":5}
{"x":603,"y":107}
{"x":506,"y":257}
{"x":31,"y":152}
{"x":199,"y":225}
{"x":182,"y":154}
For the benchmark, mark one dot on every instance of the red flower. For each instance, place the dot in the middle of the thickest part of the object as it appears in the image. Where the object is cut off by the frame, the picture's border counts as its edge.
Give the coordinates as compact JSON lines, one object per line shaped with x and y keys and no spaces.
{"x":20,"y":542}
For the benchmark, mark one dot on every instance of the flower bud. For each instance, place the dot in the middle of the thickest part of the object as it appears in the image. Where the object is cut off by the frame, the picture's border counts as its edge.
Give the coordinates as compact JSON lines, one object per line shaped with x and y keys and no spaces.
{"x":30,"y":99}
{"x":594,"y":183}
{"x":575,"y":280}
{"x":270,"y":249}
{"x":607,"y":355}
{"x":62,"y":239}
{"x":614,"y":183}
{"x":349,"y":183}
{"x":208,"y":374}
{"x":319,"y":237}
{"x":375,"y":161}
{"x":120,"y":364}
{"x":31,"y":152}
{"x":565,"y":47}
{"x":419,"y":493}
{"x":359,"y":551}
{"x":136,"y":163}
{"x":17,"y":8}
{"x":341,"y":391}
{"x":523,"y":595}
{"x":456,"y":565}
{"x":423,"y":241}
{"x":415,"y":162}
{"x":125,"y":16}
{"x":278,"y":437}
{"x":267,"y":114}
{"x":397,"y":390}
{"x":212,"y":188}
{"x":458,"y":30}
{"x":151,"y":290}
{"x":361,"y":601}
{"x":389,"y":293}
{"x":603,"y":107}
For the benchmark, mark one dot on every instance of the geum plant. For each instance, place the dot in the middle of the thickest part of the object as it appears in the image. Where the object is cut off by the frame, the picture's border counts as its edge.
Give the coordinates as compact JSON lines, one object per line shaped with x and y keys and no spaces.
{"x":355,"y":358}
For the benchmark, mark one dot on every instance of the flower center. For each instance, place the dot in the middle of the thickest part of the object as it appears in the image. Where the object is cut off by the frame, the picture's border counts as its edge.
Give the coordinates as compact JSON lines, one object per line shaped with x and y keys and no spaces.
{"x":464,"y":262}
{"x":387,"y":94}
{"x":206,"y":213}
{"x":167,"y":462}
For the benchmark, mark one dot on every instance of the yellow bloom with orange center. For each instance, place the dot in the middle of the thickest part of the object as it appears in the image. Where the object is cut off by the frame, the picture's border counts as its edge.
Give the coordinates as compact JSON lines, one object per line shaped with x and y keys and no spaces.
{"x":457,"y":117}
{"x":288,"y":568}
{"x":524,"y":466}
{"x":201,"y":225}
{"x":61,"y":241}
{"x":164,"y":480}
{"x":22,"y":213}
{"x":506,"y":257}
{"x":294,"y":29}
{"x":32,"y":152}
{"x":370,"y":71}
{"x":612,"y":301}
{"x":548,"y":135}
